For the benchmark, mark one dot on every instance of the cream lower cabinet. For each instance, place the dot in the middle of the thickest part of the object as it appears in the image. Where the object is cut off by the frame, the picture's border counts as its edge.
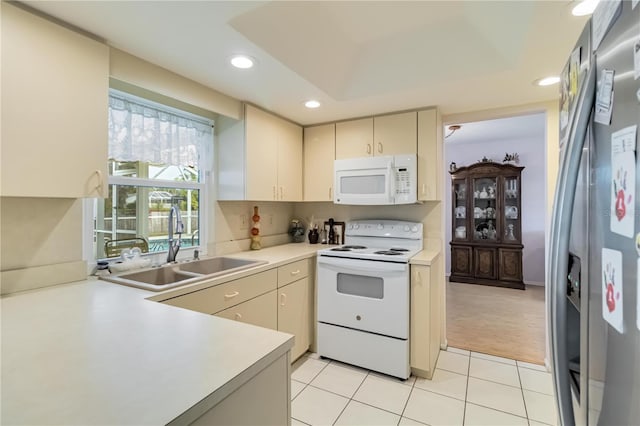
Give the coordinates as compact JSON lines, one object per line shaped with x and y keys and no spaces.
{"x":425,"y":319}
{"x":279,"y":298}
{"x":260,"y":311}
{"x":55,"y":86}
{"x":429,"y":155}
{"x":294,"y":316}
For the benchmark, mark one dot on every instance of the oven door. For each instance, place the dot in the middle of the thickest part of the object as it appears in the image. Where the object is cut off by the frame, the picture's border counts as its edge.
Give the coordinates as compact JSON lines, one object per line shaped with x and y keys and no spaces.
{"x":364,"y":295}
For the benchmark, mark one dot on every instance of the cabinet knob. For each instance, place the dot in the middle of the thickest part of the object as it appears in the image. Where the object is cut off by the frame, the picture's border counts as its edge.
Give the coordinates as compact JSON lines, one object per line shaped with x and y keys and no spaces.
{"x":281,"y":193}
{"x":368,"y":148}
{"x":424,"y":189}
{"x":330,"y":191}
{"x":283,"y":299}
{"x":296,"y":272}
{"x":238,"y":316}
{"x":274,"y":193}
{"x":380,"y":147}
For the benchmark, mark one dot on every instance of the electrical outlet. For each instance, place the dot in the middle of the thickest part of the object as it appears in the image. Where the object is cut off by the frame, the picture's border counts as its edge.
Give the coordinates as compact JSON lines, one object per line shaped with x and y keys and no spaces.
{"x":244,"y":221}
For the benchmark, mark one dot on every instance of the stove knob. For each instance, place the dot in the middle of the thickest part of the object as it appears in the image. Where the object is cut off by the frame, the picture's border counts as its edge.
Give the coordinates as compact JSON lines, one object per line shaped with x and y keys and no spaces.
{"x":380,"y":226}
{"x":414,"y":229}
{"x":350,"y":226}
{"x":406,"y":228}
{"x":356,"y":226}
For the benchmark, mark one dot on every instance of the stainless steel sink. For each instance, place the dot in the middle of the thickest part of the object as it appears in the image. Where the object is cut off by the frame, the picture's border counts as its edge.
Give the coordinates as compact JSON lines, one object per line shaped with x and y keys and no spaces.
{"x":176,"y":275}
{"x":216,"y":265}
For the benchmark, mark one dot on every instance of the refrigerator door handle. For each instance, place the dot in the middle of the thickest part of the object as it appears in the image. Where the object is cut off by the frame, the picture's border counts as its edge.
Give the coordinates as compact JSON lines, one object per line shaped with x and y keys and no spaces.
{"x":559,"y":245}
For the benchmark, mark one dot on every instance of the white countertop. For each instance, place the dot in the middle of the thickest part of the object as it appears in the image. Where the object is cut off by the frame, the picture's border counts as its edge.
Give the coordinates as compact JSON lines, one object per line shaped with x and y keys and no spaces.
{"x":95,"y":352}
{"x":425,"y":257}
{"x":99,"y":353}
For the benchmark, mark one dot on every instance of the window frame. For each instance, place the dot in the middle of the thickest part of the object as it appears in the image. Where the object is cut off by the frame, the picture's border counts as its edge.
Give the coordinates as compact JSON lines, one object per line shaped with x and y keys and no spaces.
{"x":204,"y":186}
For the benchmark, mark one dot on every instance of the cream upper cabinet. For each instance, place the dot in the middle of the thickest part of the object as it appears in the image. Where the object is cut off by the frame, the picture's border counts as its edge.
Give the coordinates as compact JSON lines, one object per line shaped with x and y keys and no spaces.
{"x":289,"y":137}
{"x":294,"y":316}
{"x":319,"y":153}
{"x":395,"y":133}
{"x":262,"y":155}
{"x":429,"y":155}
{"x":354,"y":138}
{"x":390,"y":134}
{"x":425,"y":318}
{"x":259,"y":157}
{"x":55,"y":86}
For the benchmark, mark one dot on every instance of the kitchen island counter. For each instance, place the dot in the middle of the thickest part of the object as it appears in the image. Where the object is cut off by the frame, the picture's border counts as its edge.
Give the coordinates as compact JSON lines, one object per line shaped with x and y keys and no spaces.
{"x":94,"y":352}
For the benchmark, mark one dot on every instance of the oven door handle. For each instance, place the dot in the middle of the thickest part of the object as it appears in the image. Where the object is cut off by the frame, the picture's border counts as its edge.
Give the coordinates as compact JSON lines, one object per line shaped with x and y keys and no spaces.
{"x":362,"y":266}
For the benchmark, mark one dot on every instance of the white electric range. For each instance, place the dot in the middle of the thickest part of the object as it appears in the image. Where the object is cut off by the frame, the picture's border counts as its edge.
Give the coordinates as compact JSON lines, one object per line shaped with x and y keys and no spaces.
{"x":363,"y":295}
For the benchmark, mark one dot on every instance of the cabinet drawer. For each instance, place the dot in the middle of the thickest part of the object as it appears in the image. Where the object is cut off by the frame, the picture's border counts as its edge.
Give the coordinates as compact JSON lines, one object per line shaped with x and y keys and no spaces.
{"x":261,"y":311}
{"x":223,"y":296}
{"x":292,"y":272}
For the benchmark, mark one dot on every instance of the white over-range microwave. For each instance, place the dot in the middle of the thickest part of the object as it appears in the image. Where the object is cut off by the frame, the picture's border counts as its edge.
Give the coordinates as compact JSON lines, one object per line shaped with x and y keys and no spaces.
{"x":380,"y":180}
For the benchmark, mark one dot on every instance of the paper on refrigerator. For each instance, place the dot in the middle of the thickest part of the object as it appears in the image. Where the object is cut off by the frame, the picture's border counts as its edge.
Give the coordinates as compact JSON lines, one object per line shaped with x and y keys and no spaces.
{"x":612,"y":295}
{"x":623,"y":181}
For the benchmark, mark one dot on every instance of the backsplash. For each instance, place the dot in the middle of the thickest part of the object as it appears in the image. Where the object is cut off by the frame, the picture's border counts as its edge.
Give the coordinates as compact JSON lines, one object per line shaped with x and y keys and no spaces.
{"x":429,"y":213}
{"x":233,"y":224}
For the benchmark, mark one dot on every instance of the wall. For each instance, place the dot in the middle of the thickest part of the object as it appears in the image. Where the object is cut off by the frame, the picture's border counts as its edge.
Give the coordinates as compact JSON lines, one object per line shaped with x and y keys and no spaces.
{"x":428,"y":213}
{"x":532,"y":156}
{"x":233,"y":223}
{"x":41,"y":242}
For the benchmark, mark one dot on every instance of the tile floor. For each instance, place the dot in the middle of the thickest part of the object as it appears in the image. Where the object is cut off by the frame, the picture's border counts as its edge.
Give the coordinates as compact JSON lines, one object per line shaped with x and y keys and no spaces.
{"x":468,"y":388}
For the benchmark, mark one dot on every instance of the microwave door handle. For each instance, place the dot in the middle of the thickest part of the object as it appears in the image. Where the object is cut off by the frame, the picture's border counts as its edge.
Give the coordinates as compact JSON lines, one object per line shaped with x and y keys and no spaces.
{"x":391,"y":184}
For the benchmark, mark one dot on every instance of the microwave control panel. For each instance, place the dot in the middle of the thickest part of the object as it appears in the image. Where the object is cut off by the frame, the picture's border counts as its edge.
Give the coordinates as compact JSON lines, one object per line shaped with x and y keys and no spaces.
{"x":403,"y":182}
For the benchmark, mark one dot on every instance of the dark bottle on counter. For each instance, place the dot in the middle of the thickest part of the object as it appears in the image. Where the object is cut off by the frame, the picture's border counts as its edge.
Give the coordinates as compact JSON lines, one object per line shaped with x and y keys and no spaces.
{"x":313,"y":236}
{"x":332,"y":235}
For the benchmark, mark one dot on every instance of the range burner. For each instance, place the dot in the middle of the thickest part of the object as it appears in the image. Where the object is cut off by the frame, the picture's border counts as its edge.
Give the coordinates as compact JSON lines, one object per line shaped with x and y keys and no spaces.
{"x":341,"y":249}
{"x":388,"y":252}
{"x":399,"y":249}
{"x":354,"y":247}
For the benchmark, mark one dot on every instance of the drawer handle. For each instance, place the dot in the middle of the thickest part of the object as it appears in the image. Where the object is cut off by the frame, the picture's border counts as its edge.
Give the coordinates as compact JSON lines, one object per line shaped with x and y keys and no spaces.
{"x":238,"y":316}
{"x":232,"y":295}
{"x":368,"y":148}
{"x":296,"y":272}
{"x":380,"y":147}
{"x":283,"y":299}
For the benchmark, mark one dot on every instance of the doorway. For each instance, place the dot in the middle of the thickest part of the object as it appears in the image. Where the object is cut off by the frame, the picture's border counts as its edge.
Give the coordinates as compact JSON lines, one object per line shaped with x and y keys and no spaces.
{"x":500,"y":321}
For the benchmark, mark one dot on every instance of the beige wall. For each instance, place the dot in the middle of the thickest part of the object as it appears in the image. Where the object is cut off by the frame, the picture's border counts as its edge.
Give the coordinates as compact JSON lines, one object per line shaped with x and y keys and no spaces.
{"x":428,"y":213}
{"x":231,"y":235}
{"x":41,"y":242}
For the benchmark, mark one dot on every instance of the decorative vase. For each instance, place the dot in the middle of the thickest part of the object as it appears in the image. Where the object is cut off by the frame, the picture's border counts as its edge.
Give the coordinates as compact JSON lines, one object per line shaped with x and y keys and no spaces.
{"x":255,"y":230}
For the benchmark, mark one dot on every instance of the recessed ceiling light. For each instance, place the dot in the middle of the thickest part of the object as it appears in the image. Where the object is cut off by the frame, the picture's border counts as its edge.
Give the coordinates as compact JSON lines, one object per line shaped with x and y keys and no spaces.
{"x":547,"y":81}
{"x":242,"y":61}
{"x":584,"y":7}
{"x":312,"y":104}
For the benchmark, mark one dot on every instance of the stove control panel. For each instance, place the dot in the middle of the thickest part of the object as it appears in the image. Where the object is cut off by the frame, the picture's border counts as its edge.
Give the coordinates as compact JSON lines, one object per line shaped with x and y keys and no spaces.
{"x":385,"y":228}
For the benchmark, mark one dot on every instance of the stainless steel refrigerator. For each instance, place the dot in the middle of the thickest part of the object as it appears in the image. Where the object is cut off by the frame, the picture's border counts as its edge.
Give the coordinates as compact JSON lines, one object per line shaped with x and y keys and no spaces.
{"x":594,"y":273}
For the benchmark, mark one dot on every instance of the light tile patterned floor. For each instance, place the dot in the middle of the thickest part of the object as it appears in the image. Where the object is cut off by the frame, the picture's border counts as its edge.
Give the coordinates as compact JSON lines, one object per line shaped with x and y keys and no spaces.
{"x":468,"y":388}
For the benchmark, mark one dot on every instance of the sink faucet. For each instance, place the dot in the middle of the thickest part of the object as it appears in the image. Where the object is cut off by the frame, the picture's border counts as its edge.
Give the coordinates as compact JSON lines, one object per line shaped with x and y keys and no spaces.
{"x":174,"y":246}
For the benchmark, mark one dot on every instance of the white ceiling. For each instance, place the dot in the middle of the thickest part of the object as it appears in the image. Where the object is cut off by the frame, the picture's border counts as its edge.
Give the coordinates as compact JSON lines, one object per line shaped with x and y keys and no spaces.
{"x":357,"y":57}
{"x":526,"y":127}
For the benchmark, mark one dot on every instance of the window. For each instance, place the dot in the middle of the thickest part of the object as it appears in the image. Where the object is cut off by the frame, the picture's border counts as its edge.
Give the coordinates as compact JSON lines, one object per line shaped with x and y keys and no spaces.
{"x":158,"y":157}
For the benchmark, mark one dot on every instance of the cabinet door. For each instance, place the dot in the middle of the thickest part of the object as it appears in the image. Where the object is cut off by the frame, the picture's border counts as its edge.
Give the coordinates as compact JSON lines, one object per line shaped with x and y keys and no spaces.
{"x":395,"y":134}
{"x":319,"y":154}
{"x":293,"y":314}
{"x":511,"y":201}
{"x":460,"y":215}
{"x":55,"y":86}
{"x":429,"y":155}
{"x":262,"y":155}
{"x":354,"y":138}
{"x":485,"y":209}
{"x":420,"y":317}
{"x":485,"y":263}
{"x":510,"y":265}
{"x":260,"y":311}
{"x":461,"y":261}
{"x":289,"y":139}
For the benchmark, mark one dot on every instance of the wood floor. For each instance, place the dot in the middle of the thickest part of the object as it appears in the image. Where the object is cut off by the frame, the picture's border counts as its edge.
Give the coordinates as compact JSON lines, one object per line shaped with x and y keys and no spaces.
{"x":497,"y":321}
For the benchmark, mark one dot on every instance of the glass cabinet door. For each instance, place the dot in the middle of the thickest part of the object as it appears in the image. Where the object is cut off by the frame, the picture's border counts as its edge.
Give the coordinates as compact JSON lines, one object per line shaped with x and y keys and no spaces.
{"x":459,"y":209}
{"x":484,"y":209}
{"x":511,"y":210}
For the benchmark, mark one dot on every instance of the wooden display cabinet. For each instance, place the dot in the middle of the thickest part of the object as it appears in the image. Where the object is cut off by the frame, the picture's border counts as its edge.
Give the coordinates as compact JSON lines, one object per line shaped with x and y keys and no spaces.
{"x":486,"y":234}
